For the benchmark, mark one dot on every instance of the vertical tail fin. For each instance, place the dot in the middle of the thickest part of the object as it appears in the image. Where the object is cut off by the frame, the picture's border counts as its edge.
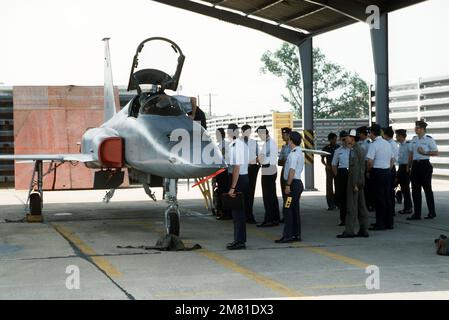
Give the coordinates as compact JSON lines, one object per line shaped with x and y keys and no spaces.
{"x":109,"y":100}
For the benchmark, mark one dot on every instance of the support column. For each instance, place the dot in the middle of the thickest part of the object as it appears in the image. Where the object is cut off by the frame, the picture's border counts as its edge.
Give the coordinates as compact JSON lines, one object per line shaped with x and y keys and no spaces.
{"x":379,"y":41}
{"x":306,"y":57}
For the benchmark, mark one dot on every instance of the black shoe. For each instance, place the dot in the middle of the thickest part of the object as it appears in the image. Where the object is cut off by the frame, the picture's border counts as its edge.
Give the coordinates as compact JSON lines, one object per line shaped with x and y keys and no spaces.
{"x":413,"y":217}
{"x":283,"y":240}
{"x":331,"y":208}
{"x":362,"y":234}
{"x":224,"y":218}
{"x":390,"y":228}
{"x":341,"y":224}
{"x":430,"y":217}
{"x":405,"y":211}
{"x":251,"y":221}
{"x":267,"y":225}
{"x":297,"y":239}
{"x":230,"y":244}
{"x":376,"y":228}
{"x":237,"y":246}
{"x":345,"y":235}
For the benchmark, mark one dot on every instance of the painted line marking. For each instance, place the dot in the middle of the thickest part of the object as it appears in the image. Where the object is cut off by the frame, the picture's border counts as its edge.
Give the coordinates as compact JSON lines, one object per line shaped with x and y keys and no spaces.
{"x":260,"y":279}
{"x":100,"y":262}
{"x":317,"y":250}
{"x":314,"y":249}
{"x":252,"y":275}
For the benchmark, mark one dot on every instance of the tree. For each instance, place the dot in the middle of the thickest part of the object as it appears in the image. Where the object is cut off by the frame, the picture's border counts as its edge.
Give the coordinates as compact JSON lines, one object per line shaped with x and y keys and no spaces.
{"x":338,"y":93}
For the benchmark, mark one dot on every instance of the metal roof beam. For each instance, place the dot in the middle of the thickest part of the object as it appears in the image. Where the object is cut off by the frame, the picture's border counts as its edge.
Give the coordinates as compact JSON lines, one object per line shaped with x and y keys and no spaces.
{"x":349,"y":8}
{"x":277,"y":31}
{"x":295,"y":17}
{"x":265,"y":6}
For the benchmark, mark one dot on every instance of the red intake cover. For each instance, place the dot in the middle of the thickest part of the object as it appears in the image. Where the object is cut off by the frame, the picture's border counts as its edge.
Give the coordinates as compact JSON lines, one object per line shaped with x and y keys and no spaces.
{"x":111,"y":152}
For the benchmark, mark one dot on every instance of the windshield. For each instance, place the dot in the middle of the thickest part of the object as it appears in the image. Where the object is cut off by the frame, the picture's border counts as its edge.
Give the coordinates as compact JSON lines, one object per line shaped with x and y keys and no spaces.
{"x":162,"y":105}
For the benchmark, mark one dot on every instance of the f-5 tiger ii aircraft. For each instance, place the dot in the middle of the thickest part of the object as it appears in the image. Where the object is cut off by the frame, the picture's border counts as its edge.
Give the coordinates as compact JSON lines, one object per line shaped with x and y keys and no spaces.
{"x":138,"y":138}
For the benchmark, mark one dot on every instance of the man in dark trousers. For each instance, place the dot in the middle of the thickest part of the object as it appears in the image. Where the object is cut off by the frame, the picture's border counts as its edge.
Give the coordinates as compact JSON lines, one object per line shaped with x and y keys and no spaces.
{"x":283,"y":154}
{"x":293,"y":189}
{"x":253,"y":170}
{"x":340,"y":166}
{"x":389,"y":137}
{"x":423,"y":147}
{"x":222,"y":179}
{"x":380,"y":161}
{"x":365,"y":142}
{"x":404,"y":170}
{"x":268,"y":160}
{"x":355,"y":196}
{"x":327,"y":162}
{"x":239,"y":182}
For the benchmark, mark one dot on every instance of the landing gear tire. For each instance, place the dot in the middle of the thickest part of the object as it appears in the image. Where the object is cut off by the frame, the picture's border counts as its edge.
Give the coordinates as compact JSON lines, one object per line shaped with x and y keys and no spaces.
{"x":35,"y":204}
{"x":173,"y":219}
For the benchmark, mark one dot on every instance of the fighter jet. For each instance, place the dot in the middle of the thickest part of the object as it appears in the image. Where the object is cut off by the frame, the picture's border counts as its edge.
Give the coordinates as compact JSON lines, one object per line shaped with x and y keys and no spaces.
{"x":152,"y":137}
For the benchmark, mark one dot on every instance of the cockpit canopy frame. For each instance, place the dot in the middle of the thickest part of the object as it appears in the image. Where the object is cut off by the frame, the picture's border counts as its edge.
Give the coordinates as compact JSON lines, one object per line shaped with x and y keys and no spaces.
{"x":154,"y":76}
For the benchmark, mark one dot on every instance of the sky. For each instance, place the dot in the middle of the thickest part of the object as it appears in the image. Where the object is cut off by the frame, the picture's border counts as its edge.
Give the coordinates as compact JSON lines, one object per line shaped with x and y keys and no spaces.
{"x":58,"y":42}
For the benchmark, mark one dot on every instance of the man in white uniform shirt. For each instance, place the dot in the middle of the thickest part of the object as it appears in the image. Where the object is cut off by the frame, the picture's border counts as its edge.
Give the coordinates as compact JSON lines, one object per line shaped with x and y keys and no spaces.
{"x":253,"y":170}
{"x":389,"y":137}
{"x":423,"y":147}
{"x":380,"y":161}
{"x":238,"y":180}
{"x":404,"y":170}
{"x":340,"y":167}
{"x":268,"y":160}
{"x":222,"y":180}
{"x":293,"y":189}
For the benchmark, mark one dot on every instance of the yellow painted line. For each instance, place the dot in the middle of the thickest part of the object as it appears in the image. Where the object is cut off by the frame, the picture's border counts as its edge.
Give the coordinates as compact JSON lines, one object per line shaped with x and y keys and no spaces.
{"x":317,"y":250}
{"x":100,"y":262}
{"x":338,"y":257}
{"x":260,"y":279}
{"x":229,"y":264}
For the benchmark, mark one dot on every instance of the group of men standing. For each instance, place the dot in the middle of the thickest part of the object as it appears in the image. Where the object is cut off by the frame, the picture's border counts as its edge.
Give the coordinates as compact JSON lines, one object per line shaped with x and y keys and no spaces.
{"x":245,"y":158}
{"x":363,"y":171}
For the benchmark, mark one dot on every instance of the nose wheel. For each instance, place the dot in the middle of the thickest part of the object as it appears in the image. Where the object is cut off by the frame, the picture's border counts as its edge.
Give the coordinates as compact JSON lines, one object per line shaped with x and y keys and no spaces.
{"x":172,"y":214}
{"x":172,"y":221}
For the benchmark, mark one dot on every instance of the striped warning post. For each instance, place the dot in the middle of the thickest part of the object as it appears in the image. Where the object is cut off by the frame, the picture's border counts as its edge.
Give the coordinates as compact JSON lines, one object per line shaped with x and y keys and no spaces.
{"x":309,"y":143}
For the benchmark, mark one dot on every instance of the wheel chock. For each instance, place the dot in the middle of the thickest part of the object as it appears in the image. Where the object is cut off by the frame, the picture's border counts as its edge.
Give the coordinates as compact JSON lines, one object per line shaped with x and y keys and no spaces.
{"x":34,"y":218}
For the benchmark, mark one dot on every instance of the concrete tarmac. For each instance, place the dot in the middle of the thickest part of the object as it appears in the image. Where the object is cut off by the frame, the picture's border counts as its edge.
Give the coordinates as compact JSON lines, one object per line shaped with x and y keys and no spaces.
{"x":81,"y":233}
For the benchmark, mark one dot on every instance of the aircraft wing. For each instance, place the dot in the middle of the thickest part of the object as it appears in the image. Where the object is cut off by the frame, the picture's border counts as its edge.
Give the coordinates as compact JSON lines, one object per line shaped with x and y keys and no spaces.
{"x":320,"y":152}
{"x":49,"y":157}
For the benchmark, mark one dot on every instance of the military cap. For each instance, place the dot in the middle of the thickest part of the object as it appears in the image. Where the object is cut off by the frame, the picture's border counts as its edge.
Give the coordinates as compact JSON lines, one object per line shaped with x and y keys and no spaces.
{"x":343,"y":134}
{"x":401,"y":132}
{"x":353,"y":133}
{"x":421,"y":124}
{"x":375,"y":129}
{"x":296,"y":137}
{"x":389,"y":132}
{"x":286,"y":130}
{"x":363,"y":130}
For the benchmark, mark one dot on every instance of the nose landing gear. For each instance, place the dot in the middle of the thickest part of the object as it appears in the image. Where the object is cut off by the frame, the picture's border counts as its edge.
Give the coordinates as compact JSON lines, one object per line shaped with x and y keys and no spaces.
{"x":172,"y":214}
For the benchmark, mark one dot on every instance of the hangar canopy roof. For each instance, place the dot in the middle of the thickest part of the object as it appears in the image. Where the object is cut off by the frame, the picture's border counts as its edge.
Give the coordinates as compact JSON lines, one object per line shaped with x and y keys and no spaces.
{"x":289,"y":20}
